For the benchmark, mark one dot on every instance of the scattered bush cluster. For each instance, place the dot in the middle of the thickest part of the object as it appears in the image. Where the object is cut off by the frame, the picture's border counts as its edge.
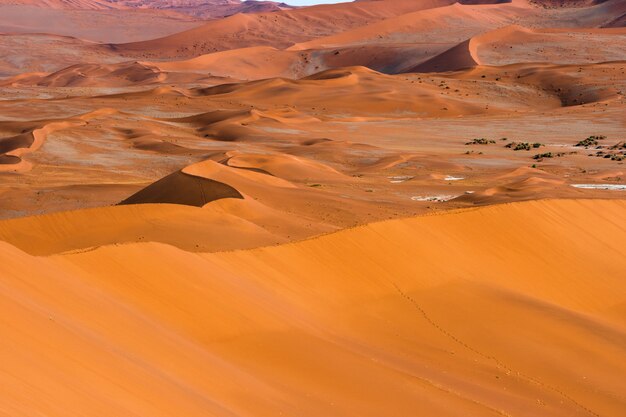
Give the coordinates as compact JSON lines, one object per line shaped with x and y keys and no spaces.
{"x":615,"y":152}
{"x":480,"y":141}
{"x":523,"y":146}
{"x":613,"y":156}
{"x":540,"y":156}
{"x":590,"y":141}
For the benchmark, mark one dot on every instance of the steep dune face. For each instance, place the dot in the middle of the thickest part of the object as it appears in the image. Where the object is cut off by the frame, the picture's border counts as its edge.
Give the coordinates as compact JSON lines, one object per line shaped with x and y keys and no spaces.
{"x":181,"y":188}
{"x":462,"y":56}
{"x":481,"y":312}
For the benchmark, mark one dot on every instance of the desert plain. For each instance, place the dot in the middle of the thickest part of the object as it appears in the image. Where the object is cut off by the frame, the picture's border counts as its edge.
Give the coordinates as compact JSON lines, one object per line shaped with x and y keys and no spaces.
{"x":370,"y":208}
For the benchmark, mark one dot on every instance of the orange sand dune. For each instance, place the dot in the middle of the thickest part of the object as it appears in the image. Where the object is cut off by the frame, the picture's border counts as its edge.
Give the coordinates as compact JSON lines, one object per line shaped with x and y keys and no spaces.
{"x":571,"y":85}
{"x":246,"y":63}
{"x":556,"y":46}
{"x":495,"y":311}
{"x":238,"y":125}
{"x":515,"y":44}
{"x":278,"y":29}
{"x":221,"y":218}
{"x":399,"y":38}
{"x":449,"y":24}
{"x":436,"y":37}
{"x":363,"y":92}
{"x":189,"y":228}
{"x":115,"y":75}
{"x":284,"y":166}
{"x":395,"y":138}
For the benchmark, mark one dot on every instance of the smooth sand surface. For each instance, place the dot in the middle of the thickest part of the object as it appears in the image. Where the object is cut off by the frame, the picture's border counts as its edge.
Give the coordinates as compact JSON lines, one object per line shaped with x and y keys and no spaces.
{"x":503,"y":310}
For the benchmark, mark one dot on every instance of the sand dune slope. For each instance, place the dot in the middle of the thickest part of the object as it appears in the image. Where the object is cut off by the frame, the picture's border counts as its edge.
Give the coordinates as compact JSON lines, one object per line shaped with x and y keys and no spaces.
{"x":516,"y":44}
{"x":495,"y":311}
{"x":183,"y":226}
{"x":277,"y":29}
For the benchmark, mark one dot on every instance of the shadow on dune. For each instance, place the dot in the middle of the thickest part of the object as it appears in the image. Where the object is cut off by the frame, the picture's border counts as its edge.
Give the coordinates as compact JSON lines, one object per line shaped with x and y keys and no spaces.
{"x":185,"y":189}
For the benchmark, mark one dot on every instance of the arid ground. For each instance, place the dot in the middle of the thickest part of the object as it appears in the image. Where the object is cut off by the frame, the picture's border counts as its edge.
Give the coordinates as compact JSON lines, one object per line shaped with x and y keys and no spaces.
{"x":377,"y":208}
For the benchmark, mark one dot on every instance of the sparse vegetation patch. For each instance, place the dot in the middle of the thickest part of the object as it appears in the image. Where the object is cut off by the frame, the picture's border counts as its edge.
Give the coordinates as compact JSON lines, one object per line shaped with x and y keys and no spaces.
{"x":541,"y":156}
{"x":616,"y":152}
{"x":480,"y":141}
{"x":523,"y":146}
{"x":590,"y":141}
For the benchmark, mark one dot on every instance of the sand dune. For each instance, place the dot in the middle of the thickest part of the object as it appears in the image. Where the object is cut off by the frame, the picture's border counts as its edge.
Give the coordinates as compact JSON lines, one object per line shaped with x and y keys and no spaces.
{"x":115,"y":76}
{"x":181,"y":188}
{"x":367,"y":125}
{"x":186,"y":227}
{"x":424,"y":26}
{"x":240,"y":125}
{"x":396,"y":37}
{"x":98,"y":24}
{"x":278,"y":29}
{"x":556,"y":46}
{"x":375,"y":320}
{"x":246,"y":63}
{"x":288,"y":167}
{"x":362,"y":85}
{"x":372,"y":208}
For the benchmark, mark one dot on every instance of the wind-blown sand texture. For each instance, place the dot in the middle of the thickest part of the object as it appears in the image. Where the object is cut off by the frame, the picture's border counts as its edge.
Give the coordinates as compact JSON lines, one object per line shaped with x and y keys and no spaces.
{"x":477,"y":312}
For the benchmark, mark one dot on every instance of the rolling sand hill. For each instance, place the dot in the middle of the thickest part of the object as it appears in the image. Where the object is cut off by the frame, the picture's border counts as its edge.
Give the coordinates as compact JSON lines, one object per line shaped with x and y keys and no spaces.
{"x":279,"y":29}
{"x":370,"y":321}
{"x":394,"y":139}
{"x":417,"y":41}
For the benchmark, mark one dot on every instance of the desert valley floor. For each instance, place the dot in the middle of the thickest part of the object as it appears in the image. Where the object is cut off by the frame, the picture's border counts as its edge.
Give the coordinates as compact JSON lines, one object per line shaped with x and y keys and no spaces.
{"x":376,"y":208}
